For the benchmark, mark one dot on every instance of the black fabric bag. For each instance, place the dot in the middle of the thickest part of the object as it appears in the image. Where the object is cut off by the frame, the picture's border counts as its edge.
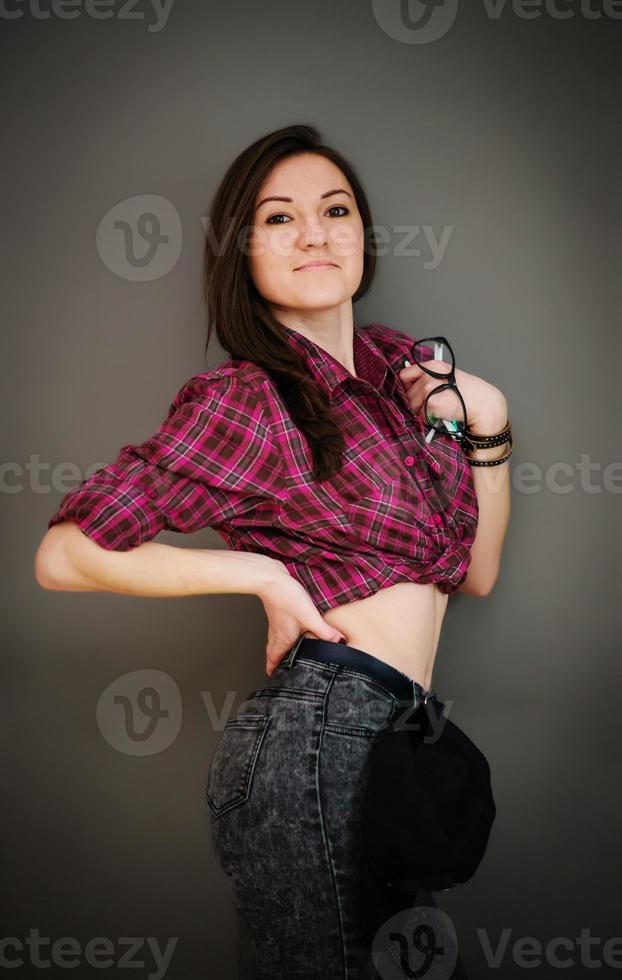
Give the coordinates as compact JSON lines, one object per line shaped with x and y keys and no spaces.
{"x":428,"y":808}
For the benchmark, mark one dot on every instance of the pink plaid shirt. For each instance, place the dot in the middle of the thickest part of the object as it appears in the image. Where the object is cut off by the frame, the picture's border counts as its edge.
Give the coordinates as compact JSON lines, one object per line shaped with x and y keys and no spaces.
{"x":228,"y":456}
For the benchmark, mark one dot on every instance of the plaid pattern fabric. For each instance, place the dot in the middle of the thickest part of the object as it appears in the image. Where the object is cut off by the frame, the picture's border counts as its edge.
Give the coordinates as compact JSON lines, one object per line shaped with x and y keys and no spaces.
{"x":229,"y":456}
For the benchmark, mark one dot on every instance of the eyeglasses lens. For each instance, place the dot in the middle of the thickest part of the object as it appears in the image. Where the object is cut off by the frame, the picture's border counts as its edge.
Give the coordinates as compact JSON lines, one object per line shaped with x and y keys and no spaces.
{"x":447,"y":404}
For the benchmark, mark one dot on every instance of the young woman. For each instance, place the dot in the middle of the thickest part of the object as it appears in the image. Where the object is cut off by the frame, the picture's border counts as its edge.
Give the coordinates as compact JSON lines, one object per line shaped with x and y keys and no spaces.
{"x":307,"y":451}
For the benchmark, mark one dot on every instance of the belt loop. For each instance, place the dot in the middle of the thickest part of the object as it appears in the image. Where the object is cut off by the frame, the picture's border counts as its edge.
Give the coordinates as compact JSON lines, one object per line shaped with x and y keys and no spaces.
{"x":289,"y":660}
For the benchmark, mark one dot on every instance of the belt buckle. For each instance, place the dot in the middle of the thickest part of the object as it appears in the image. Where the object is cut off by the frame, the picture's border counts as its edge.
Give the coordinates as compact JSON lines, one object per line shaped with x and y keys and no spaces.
{"x":289,"y":660}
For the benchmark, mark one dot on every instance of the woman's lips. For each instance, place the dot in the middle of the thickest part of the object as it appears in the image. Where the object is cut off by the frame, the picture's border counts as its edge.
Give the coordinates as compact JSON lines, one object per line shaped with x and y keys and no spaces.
{"x":324,"y":265}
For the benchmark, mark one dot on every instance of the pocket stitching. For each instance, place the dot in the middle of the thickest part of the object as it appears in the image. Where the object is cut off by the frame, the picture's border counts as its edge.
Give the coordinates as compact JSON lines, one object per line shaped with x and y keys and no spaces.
{"x":356,"y":732}
{"x":260,"y":724}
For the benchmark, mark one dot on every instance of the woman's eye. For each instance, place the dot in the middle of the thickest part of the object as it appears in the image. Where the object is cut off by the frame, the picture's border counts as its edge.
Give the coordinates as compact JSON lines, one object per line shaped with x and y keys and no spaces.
{"x":341,"y":207}
{"x":271,"y":220}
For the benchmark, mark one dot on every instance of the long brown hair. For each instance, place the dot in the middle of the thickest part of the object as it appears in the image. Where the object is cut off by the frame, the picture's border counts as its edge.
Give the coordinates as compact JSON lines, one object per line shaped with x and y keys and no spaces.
{"x":245,"y":326}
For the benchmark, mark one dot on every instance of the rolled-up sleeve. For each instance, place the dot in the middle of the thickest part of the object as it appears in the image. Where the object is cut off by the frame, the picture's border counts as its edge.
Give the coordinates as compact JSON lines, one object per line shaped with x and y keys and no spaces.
{"x":212,"y":459}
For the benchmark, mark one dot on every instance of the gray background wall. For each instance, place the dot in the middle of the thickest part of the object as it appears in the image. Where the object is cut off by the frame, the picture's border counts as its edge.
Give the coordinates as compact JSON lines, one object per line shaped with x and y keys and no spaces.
{"x":505,"y":131}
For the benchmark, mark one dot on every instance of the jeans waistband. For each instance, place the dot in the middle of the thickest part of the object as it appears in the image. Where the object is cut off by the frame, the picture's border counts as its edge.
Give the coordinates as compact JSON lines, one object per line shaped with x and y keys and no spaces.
{"x":406,"y":690}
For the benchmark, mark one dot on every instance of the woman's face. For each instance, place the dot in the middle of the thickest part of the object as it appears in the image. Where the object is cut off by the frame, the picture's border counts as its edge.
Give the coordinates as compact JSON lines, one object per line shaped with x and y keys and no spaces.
{"x":317,"y":218}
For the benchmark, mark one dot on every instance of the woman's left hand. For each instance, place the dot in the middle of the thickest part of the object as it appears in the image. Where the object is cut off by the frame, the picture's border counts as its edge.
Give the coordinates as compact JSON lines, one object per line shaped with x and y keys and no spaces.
{"x":486,"y":405}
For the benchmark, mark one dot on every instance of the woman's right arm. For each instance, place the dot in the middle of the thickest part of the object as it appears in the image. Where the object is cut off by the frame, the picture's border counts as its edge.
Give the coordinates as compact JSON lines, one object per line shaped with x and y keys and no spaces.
{"x":69,"y":561}
{"x":212,"y":458}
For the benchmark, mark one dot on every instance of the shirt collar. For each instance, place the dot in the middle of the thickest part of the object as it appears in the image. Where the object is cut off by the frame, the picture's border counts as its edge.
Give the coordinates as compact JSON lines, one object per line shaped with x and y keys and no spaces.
{"x":369,"y":362}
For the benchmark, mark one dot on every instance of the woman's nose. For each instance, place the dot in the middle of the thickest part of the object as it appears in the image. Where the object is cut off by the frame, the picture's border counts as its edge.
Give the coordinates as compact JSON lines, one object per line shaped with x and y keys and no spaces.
{"x":313,"y":231}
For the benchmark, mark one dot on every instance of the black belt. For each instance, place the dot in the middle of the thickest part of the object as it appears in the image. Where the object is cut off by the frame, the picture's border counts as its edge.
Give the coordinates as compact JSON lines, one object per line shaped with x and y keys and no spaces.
{"x":406,"y":690}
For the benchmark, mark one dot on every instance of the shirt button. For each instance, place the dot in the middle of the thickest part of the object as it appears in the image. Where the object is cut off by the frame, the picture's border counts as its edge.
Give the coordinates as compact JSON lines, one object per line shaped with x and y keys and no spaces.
{"x":409,"y":460}
{"x":437,"y":518}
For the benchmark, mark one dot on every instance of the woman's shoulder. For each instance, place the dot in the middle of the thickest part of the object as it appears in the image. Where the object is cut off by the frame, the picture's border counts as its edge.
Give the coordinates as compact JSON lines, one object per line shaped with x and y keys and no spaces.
{"x":234,"y":382}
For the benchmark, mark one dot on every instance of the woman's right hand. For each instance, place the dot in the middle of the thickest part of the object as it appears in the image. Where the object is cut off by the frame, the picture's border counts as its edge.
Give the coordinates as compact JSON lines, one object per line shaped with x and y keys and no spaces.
{"x":291,"y":611}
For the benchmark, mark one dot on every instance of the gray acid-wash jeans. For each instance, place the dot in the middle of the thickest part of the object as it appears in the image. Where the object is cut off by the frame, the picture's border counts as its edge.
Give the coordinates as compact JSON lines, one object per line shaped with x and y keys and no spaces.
{"x":284,"y":789}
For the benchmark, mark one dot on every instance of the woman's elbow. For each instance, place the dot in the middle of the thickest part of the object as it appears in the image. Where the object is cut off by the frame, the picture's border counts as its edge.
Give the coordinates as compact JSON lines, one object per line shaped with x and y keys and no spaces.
{"x":480,"y":584}
{"x":485,"y":588}
{"x":51,"y":556}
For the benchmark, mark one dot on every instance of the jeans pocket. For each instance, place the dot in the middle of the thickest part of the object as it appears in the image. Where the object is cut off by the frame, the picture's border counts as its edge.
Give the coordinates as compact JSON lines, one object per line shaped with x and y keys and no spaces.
{"x":231,"y":770}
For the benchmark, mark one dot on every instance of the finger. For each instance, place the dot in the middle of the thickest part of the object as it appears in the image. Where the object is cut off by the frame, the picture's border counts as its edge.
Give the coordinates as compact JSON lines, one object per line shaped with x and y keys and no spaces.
{"x":274,"y":659}
{"x":410,"y":373}
{"x":273,"y":662}
{"x":416,"y":393}
{"x":324,"y":631}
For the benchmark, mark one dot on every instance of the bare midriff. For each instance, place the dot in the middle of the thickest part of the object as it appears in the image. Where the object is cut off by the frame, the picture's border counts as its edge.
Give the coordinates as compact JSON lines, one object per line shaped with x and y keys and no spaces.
{"x":400,"y":625}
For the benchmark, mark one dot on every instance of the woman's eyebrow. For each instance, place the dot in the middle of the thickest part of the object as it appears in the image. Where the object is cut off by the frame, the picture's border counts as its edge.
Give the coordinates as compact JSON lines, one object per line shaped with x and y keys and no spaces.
{"x":289,"y":200}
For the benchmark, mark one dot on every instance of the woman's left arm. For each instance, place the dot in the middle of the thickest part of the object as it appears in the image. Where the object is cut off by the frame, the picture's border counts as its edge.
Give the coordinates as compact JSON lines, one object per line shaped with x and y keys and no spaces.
{"x":492,"y":485}
{"x":487,"y":414}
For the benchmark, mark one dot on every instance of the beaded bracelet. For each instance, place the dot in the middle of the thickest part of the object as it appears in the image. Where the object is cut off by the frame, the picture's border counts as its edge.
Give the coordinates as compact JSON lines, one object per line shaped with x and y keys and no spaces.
{"x":474,"y":441}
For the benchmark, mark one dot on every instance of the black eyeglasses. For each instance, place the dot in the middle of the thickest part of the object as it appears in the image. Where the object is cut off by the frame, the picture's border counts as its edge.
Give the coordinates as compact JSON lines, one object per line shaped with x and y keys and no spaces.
{"x":455,"y":420}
